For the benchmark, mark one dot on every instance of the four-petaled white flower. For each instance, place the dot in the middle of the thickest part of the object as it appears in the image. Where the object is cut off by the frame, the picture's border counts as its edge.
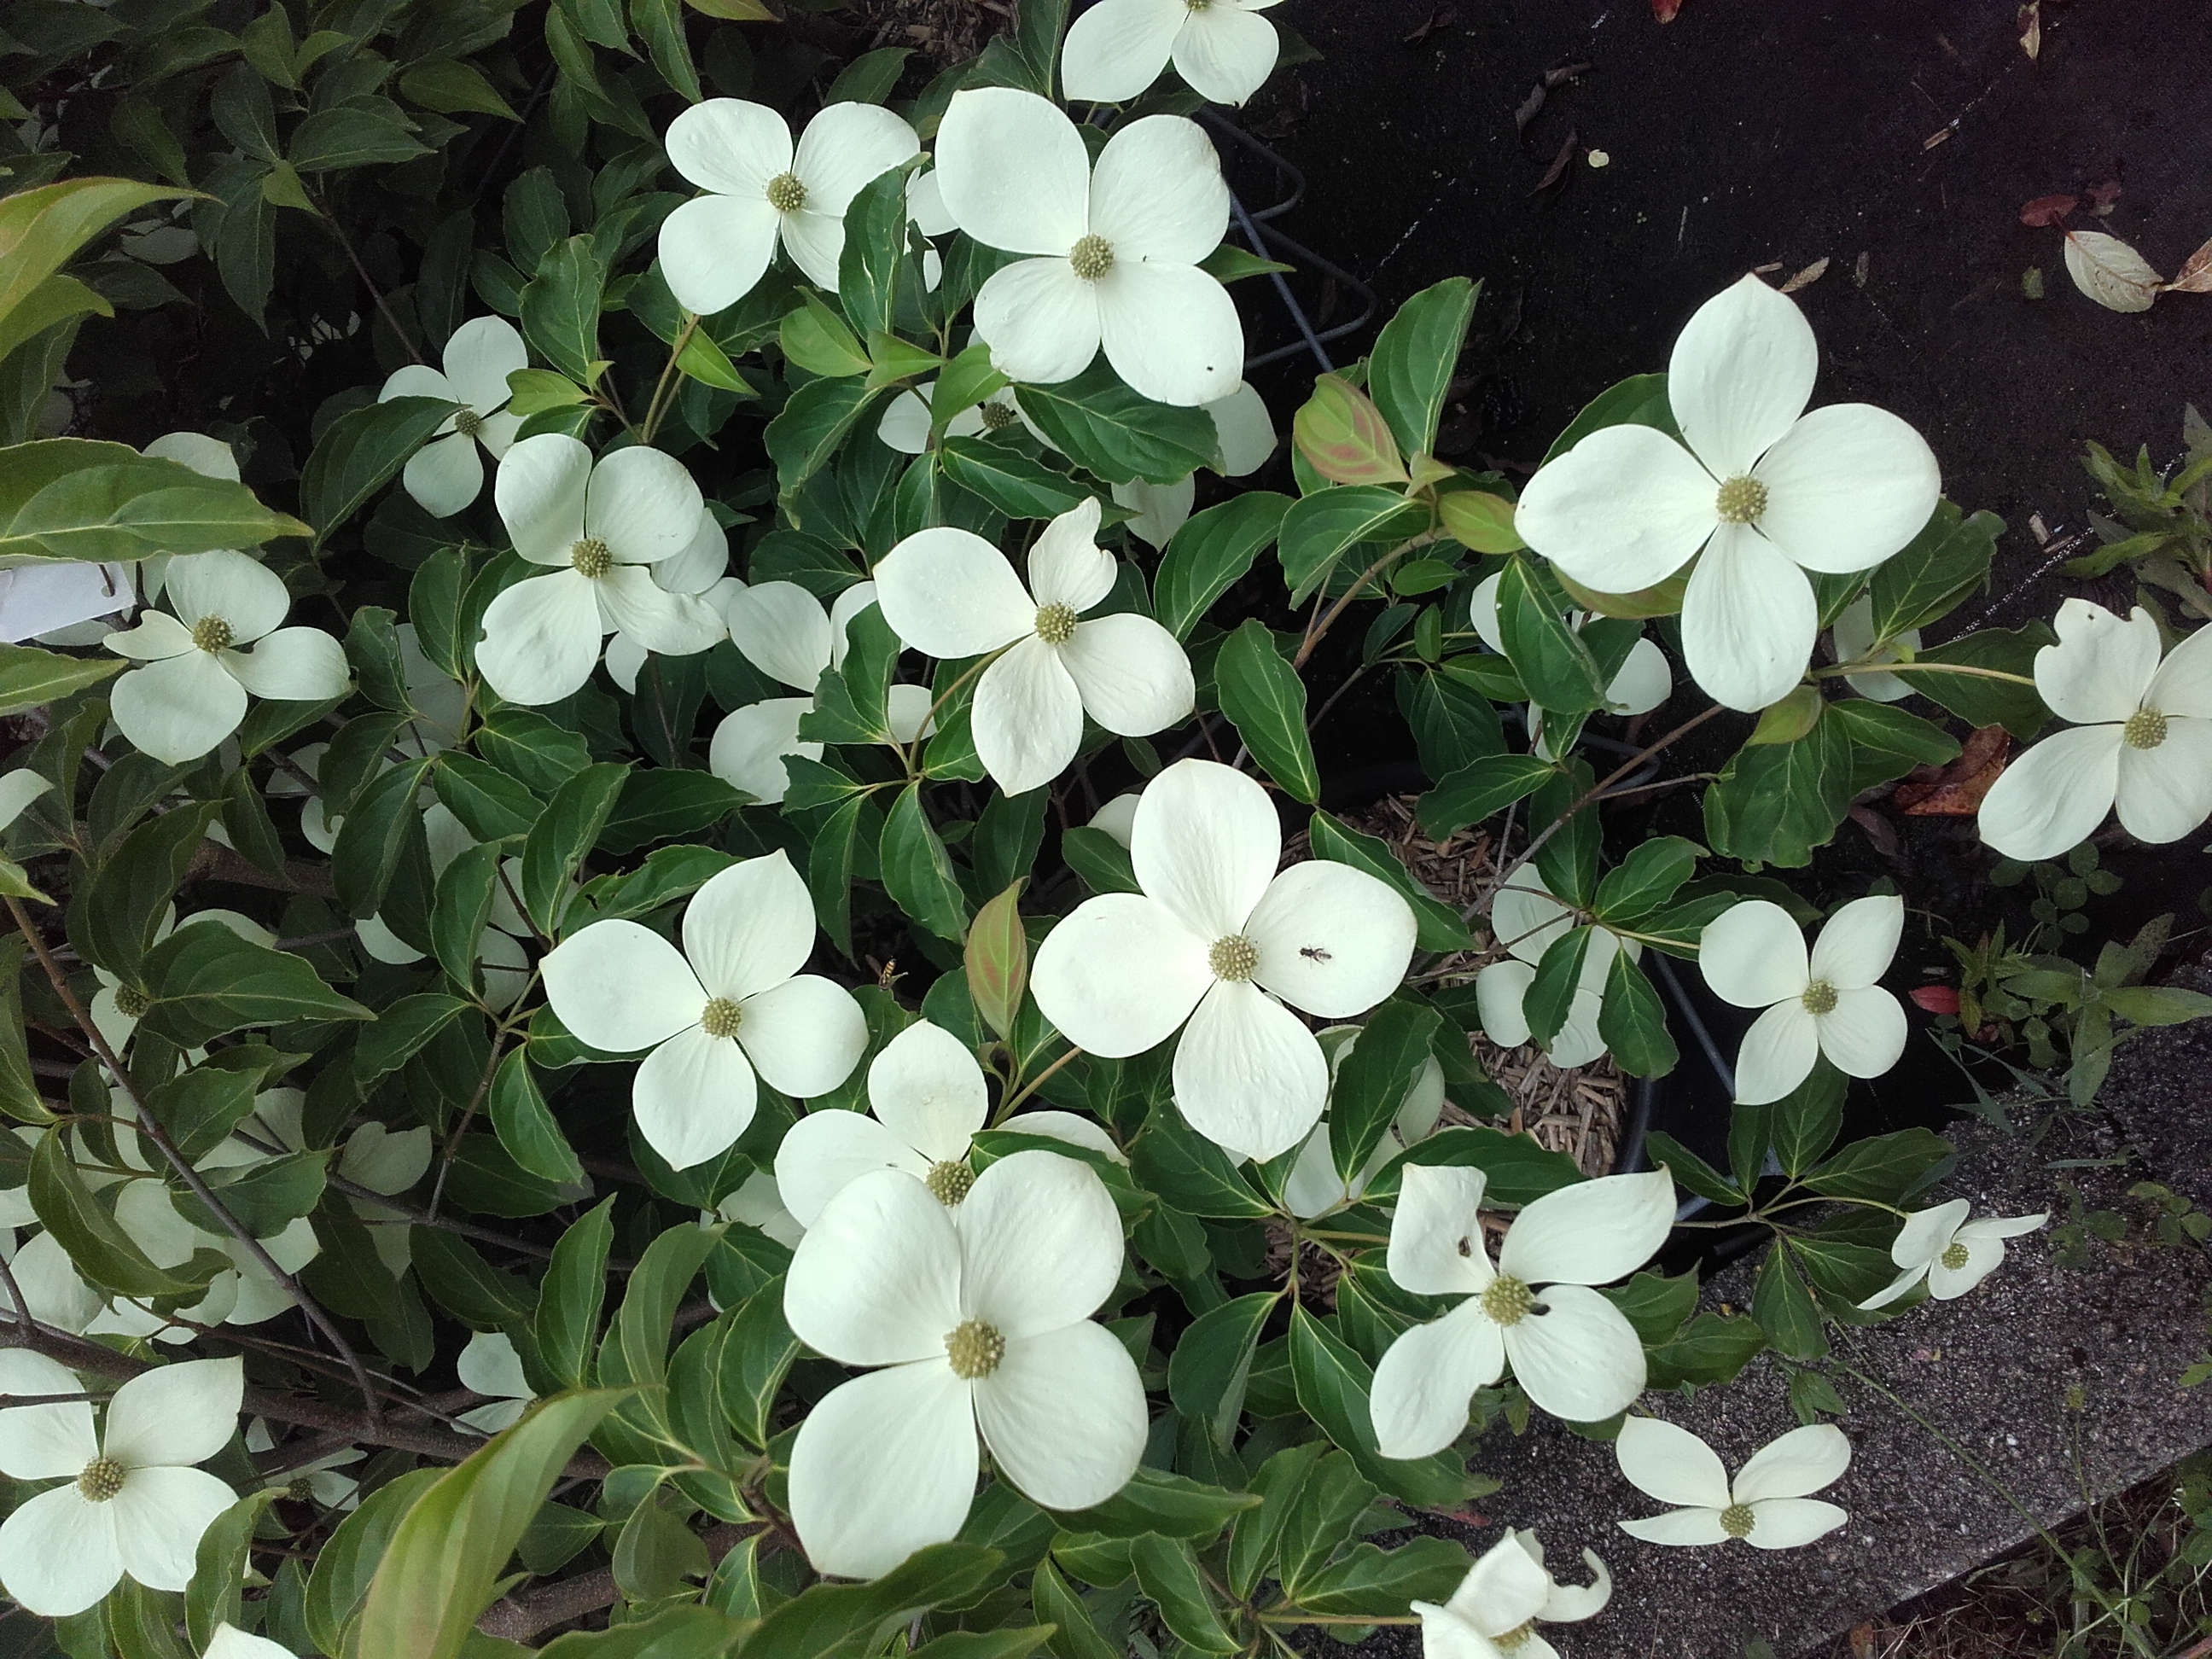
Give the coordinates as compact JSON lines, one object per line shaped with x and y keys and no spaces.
{"x":1214,"y":937}
{"x":1574,"y":1354}
{"x":2141,"y":738}
{"x":731,"y":1003}
{"x":906,"y":420}
{"x":1757,"y":490}
{"x":1854,"y":642}
{"x":319,"y":1480}
{"x":191,"y":692}
{"x":1506,"y":1594}
{"x":228,"y":1642}
{"x":1528,"y":920}
{"x":1769,"y":1506}
{"x":599,"y":526}
{"x":1224,"y":49}
{"x":446,"y":473}
{"x":980,"y":1317}
{"x":1754,"y":955}
{"x":929,"y":1101}
{"x":1115,"y":250}
{"x":761,"y":192}
{"x":133,"y":1502}
{"x":1313,"y":1188}
{"x":949,"y":593}
{"x":699,"y":569}
{"x":489,"y":1366}
{"x":782,"y":629}
{"x":1953,"y":1254}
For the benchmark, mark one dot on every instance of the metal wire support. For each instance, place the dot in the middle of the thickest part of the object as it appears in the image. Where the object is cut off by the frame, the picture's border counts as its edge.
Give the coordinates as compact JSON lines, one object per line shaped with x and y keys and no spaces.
{"x":1269,"y":243}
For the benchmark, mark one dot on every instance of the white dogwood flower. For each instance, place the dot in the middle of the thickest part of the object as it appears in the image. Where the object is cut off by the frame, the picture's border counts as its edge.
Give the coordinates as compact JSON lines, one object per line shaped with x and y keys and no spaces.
{"x":732,"y":1003}
{"x":1224,"y":49}
{"x":1854,"y":642}
{"x":446,"y":473}
{"x":762,"y":193}
{"x":757,"y":1203}
{"x":191,"y":692}
{"x":1115,"y":250}
{"x":906,"y":422}
{"x":1829,"y":1003}
{"x":949,"y":593}
{"x":132,"y":1504}
{"x":784,"y":631}
{"x":1574,"y":1354}
{"x":1214,"y":938}
{"x":599,"y":525}
{"x":1313,"y":1188}
{"x":319,"y":1480}
{"x":980,"y":1318}
{"x":928,"y":1100}
{"x":489,"y":1366}
{"x":1953,"y":1254}
{"x":1528,"y":920}
{"x":1757,"y":490}
{"x":228,"y":1642}
{"x":2141,"y":738}
{"x":697,"y":570}
{"x":1506,"y":1594}
{"x":1769,"y":1506}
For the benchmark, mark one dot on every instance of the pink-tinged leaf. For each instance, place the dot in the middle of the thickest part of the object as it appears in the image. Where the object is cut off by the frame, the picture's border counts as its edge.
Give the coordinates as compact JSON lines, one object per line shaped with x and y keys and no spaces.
{"x":2049,"y":212}
{"x":1344,"y":437}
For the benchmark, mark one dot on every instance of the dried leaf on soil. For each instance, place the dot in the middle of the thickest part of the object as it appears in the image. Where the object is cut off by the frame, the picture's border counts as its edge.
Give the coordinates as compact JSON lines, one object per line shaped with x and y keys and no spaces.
{"x":2195,"y":276}
{"x":2031,"y":28}
{"x":2048,"y":212}
{"x":1664,"y":10}
{"x":1442,"y":15}
{"x":1558,"y":170}
{"x":1807,"y":277}
{"x":1956,"y":791}
{"x":2110,"y":272}
{"x":1531,"y":106}
{"x":1564,"y":73}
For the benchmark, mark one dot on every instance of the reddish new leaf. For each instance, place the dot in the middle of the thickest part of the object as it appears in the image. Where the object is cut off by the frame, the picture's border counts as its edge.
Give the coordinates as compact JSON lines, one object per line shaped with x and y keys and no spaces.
{"x":2048,"y":212}
{"x":1936,"y":999}
{"x":1664,"y":10}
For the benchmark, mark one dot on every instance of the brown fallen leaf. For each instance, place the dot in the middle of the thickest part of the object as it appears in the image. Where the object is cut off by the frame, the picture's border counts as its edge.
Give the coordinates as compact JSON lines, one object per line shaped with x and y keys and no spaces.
{"x":1956,"y":791}
{"x":2049,"y":212}
{"x":1807,"y":277}
{"x":2030,"y":19}
{"x":1664,"y":10}
{"x":2110,"y":272}
{"x":1531,"y":107}
{"x":1564,"y":73}
{"x":2195,"y":276}
{"x":1442,"y":15}
{"x":1558,"y":170}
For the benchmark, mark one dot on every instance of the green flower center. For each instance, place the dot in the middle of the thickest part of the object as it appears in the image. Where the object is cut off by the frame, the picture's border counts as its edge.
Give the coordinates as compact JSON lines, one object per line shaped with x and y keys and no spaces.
{"x":974,"y":1349}
{"x":592,"y":557}
{"x":1741,"y":499}
{"x":468,"y":424}
{"x":1092,"y":258}
{"x":2146,"y":729}
{"x":213,"y":634}
{"x":1055,"y":623}
{"x":1820,"y":998}
{"x":948,"y":1181}
{"x":1515,"y":1638}
{"x":1955,"y":1256}
{"x":1508,"y":1301}
{"x":997,"y":417}
{"x":1234,"y":958}
{"x":1737,"y":1519}
{"x":721,"y":1018}
{"x":302,"y":1490}
{"x":131,"y":1002}
{"x":785,"y":193}
{"x":101,"y":1479}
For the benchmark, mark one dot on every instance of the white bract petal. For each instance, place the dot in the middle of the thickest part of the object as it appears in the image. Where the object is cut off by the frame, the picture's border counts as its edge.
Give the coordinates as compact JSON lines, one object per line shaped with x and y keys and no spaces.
{"x":1767,"y":1505}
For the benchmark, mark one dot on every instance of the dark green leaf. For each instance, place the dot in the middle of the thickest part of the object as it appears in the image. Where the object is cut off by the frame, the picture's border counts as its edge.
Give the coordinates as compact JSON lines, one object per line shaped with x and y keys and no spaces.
{"x":206,"y":981}
{"x":1946,"y":562}
{"x":1416,"y":355}
{"x":1266,"y":699}
{"x":1211,"y":553}
{"x":1633,"y":1021}
{"x":1473,"y":793}
{"x":917,"y":873}
{"x":1317,"y":530}
{"x":1332,"y":1387}
{"x":569,"y":830}
{"x":561,"y":308}
{"x":1103,"y":426}
{"x":525,"y":1125}
{"x":360,"y":452}
{"x":1009,"y":480}
{"x":572,"y":1296}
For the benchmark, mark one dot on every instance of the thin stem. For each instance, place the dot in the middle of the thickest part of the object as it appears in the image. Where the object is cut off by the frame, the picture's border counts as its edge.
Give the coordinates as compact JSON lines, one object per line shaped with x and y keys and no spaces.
{"x":658,"y":406}
{"x":1920,"y":668}
{"x":912,"y":753}
{"x":1320,"y":627}
{"x":330,"y":223}
{"x":453,"y":1147}
{"x":154,"y":1131}
{"x":1006,"y":1107}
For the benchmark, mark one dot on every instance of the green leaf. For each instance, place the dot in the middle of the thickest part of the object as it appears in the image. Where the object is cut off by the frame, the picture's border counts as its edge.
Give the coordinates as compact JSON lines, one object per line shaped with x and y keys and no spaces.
{"x":1264,"y":698}
{"x":72,"y":498}
{"x":572,"y":1297}
{"x":1099,"y":860}
{"x":568,"y":830}
{"x":31,"y":678}
{"x":830,"y":1619}
{"x":380,"y":826}
{"x":1317,"y":530}
{"x":1886,"y":1169}
{"x":1104,"y":427}
{"x":128,"y":902}
{"x":1639,"y":400}
{"x":820,"y":341}
{"x":106,"y":1255}
{"x":41,"y":229}
{"x":1633,"y":1021}
{"x":1656,"y":1304}
{"x":1372,"y":1581}
{"x":660,"y":803}
{"x":345,"y":1565}
{"x":1374,"y":1078}
{"x":1212,"y":1362}
{"x":1211,"y":553}
{"x":1009,"y":480}
{"x":441,"y":1568}
{"x":1553,"y":661}
{"x":1784,"y":1308}
{"x":1340,"y":434}
{"x":2158,"y":1005}
{"x":868,"y":79}
{"x":561,"y":309}
{"x":1189,"y":1173}
{"x":399,"y":1033}
{"x":1229,"y":263}
{"x":1414,"y":358}
{"x":1168,"y":1573}
{"x":362,"y":452}
{"x":1076,"y":1635}
{"x":755,"y":1359}
{"x":461,"y":910}
{"x":1804,"y":1123}
{"x":206,"y":981}
{"x":360,"y":132}
{"x":1646,"y":880}
{"x":58,"y":300}
{"x":1439,"y":926}
{"x":809,"y":430}
{"x":491,"y":804}
{"x":1713,"y":1348}
{"x":1975,"y":698}
{"x":1332,"y":1387}
{"x":1520,"y":1171}
{"x":1473,"y":793}
{"x":452,"y":87}
{"x":528,"y":745}
{"x":1479,"y":520}
{"x":917,"y":873}
{"x":1922,"y":582}
{"x":660,"y":23}
{"x":219,"y":1567}
{"x":1280,"y":1483}
{"x":1454,"y":724}
{"x":525,"y":1125}
{"x":464,"y":1285}
{"x":876,"y":263}
{"x":996,"y":959}
{"x":200,"y":1108}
